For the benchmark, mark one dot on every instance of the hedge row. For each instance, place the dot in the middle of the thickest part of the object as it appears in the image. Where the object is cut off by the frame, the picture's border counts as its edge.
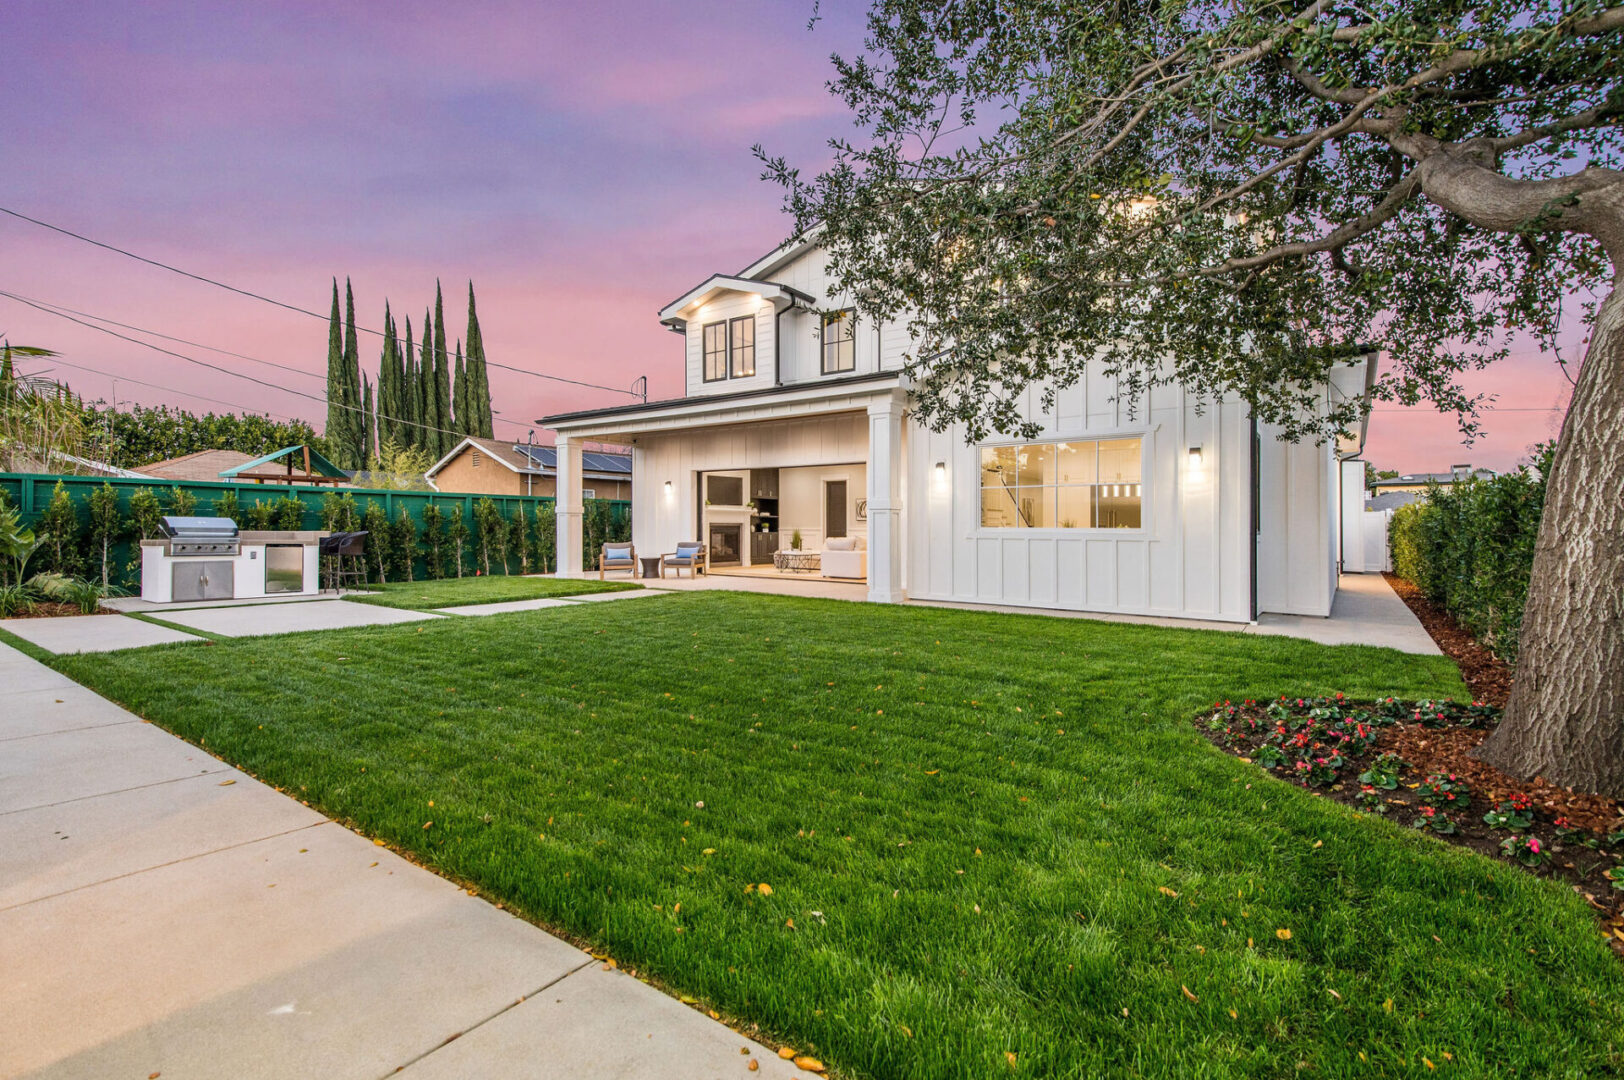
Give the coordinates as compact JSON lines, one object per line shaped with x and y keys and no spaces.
{"x":1469,"y":549}
{"x":89,"y":532}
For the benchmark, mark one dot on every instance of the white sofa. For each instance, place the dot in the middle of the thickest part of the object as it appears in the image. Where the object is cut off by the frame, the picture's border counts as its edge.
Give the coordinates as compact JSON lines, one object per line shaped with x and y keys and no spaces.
{"x":845,"y":557}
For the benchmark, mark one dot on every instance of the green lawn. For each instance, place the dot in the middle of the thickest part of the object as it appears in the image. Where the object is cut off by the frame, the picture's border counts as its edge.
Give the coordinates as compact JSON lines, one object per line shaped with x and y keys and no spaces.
{"x":993,"y":834}
{"x":494,"y":589}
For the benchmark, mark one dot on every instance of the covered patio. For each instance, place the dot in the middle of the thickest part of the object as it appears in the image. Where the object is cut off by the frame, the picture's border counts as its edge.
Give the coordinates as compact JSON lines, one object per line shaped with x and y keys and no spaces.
{"x":798,"y":487}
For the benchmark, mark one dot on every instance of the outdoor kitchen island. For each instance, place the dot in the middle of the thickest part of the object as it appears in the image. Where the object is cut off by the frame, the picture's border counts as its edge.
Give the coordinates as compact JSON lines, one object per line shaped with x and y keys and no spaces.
{"x":206,"y":558}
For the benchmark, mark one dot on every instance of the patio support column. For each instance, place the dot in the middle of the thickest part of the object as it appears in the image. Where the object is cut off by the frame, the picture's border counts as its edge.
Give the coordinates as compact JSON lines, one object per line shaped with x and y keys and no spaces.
{"x":568,"y":506}
{"x":885,"y":467}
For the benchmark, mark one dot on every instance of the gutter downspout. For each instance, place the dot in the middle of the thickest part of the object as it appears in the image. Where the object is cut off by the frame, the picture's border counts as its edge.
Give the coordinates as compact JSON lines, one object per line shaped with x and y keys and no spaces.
{"x":1255,"y":525}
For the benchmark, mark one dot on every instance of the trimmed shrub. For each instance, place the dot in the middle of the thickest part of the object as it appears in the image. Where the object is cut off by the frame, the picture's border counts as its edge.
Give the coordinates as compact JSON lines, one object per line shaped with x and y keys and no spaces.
{"x":1469,"y":548}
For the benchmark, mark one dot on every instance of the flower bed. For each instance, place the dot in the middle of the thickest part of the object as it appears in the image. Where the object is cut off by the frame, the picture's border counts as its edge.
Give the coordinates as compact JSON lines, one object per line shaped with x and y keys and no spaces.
{"x":1411,"y":762}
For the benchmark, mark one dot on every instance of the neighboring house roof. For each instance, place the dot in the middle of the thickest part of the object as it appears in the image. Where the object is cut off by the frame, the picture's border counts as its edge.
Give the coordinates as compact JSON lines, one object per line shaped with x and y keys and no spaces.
{"x":1460,"y":472}
{"x":536,"y":460}
{"x":87,"y":466}
{"x":314,"y":467}
{"x":1392,"y":500}
{"x":204,"y":465}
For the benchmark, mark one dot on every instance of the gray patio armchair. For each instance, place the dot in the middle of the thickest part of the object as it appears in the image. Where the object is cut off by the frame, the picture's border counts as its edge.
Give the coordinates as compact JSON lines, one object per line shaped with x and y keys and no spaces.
{"x":690,"y":554}
{"x":617,"y":557}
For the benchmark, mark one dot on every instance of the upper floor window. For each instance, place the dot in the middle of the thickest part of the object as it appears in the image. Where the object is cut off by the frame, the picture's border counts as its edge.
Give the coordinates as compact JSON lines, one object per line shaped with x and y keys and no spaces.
{"x":715,"y":345}
{"x":1062,"y":485}
{"x":741,"y":346}
{"x":840,"y":342}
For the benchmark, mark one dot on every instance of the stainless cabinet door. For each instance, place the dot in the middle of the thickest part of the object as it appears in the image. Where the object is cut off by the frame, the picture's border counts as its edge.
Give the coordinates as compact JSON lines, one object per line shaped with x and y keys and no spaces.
{"x":284,"y":568}
{"x":203,"y":581}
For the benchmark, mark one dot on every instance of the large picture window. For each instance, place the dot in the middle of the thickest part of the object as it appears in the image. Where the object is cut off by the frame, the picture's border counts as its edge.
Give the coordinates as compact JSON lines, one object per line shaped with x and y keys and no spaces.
{"x":1062,"y":485}
{"x":715,"y":345}
{"x":741,"y":345}
{"x":840,"y":342}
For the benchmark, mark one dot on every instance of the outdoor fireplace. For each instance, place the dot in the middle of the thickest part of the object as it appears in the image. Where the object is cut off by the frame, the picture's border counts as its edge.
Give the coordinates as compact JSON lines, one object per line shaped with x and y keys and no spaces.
{"x":725,"y":542}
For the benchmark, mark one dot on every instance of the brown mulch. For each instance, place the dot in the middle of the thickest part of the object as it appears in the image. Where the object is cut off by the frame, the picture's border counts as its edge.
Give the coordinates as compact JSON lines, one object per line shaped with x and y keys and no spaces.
{"x":1486,"y":675}
{"x":1449,"y":750}
{"x":50,"y":609}
{"x":1586,"y":850}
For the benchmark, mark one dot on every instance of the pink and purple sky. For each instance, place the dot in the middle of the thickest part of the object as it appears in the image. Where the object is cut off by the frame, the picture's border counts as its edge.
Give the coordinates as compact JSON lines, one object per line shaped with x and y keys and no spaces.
{"x":583,"y":164}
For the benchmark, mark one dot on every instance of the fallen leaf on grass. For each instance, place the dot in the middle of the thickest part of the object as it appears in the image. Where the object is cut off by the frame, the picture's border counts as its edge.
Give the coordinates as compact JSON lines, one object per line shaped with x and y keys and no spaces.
{"x":1187,"y":993}
{"x":428,"y":824}
{"x":1165,"y":891}
{"x":765,"y":889}
{"x":1283,"y":934}
{"x":810,"y":1064}
{"x":1009,"y":1056}
{"x":783,"y":1051}
{"x":1333,"y":993}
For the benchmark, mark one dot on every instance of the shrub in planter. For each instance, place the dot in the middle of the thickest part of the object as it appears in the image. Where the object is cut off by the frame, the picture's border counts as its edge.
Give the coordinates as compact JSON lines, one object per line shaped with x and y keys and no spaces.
{"x":1432,"y":821}
{"x":1525,"y":849}
{"x":1384,"y":772}
{"x":1516,"y":814}
{"x":1443,"y":790}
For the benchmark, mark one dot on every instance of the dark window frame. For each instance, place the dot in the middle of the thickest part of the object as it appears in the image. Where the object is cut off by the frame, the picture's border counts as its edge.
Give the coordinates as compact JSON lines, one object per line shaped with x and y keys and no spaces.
{"x":705,"y":352}
{"x":732,"y":364}
{"x":844,"y":317}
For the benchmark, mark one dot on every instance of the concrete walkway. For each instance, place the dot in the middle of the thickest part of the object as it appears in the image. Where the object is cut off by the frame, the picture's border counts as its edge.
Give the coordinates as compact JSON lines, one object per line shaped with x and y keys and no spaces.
{"x":291,"y":618}
{"x":1366,"y":611}
{"x":92,"y":633}
{"x":164,"y":914}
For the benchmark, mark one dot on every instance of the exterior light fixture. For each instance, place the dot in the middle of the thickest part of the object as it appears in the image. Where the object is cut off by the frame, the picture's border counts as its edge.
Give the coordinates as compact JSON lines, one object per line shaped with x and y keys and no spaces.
{"x":668,"y":489}
{"x":1197,"y":467}
{"x":941,"y":476}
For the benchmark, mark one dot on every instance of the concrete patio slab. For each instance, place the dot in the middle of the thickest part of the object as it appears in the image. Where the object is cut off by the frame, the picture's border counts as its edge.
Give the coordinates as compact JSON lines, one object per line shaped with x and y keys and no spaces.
{"x":292,"y":618}
{"x":1366,"y":611}
{"x":54,"y":709}
{"x":624,"y":594}
{"x":64,"y":846}
{"x":605,"y":1024}
{"x":314,"y":954}
{"x":92,"y":633}
{"x":147,"y":607}
{"x":55,"y":768}
{"x":20,"y":672}
{"x":506,"y":606}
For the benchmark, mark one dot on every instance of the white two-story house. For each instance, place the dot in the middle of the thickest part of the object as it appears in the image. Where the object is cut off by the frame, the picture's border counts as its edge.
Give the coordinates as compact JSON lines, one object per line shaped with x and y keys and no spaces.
{"x":796,"y":420}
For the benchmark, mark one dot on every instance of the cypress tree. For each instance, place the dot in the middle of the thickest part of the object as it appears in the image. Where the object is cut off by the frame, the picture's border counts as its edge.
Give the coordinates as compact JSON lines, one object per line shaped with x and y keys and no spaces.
{"x":388,"y":408}
{"x":478,"y":374}
{"x":369,"y":423}
{"x":431,"y":409}
{"x":442,"y":376}
{"x":410,"y":433}
{"x":459,"y":396}
{"x":357,"y":453}
{"x":338,"y":417}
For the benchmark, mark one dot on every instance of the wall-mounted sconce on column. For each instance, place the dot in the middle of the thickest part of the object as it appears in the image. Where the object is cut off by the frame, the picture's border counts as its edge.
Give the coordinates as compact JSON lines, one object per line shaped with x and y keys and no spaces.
{"x":668,"y":489}
{"x":1197,"y":465}
{"x":941,"y":475}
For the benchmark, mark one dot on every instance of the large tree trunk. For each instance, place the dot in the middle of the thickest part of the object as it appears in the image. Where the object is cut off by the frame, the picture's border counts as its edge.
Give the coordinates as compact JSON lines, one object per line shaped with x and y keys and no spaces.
{"x":1565,"y":719}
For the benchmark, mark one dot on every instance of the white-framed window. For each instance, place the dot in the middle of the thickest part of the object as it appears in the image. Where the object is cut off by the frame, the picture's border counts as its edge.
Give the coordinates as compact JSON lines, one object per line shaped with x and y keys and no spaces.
{"x":741,"y":346}
{"x":840,"y":341}
{"x":589,"y":493}
{"x":1070,"y":484}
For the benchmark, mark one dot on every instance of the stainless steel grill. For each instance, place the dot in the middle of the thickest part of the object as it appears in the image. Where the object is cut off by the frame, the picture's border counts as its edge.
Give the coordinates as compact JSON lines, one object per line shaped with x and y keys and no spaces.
{"x":200,"y":536}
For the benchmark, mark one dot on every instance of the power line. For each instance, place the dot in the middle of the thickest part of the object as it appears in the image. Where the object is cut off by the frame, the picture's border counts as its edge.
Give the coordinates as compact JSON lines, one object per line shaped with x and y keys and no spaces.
{"x":228,"y":371}
{"x":280,"y":303}
{"x":171,"y":390}
{"x":58,"y":309}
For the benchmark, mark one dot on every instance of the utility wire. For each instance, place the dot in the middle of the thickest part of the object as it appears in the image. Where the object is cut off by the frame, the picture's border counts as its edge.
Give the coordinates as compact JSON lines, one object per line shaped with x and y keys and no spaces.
{"x":227,"y":371}
{"x":57,"y":309}
{"x":55,"y":360}
{"x":279,"y":303}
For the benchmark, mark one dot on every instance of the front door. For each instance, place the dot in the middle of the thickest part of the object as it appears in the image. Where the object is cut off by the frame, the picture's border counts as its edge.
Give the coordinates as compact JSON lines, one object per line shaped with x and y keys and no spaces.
{"x":834,"y":508}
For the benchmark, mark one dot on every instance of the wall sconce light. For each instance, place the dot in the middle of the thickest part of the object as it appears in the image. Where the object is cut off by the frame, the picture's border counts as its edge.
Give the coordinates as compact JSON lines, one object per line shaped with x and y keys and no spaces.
{"x":1197,"y":465}
{"x":941,"y":476}
{"x":668,"y":489}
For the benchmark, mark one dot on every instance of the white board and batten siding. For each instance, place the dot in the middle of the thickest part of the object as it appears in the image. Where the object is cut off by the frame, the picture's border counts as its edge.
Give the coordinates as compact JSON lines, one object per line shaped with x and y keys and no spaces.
{"x":1189,"y":558}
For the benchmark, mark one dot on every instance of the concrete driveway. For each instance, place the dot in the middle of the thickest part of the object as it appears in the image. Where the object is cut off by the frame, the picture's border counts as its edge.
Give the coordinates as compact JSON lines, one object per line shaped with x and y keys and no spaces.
{"x":162,"y":914}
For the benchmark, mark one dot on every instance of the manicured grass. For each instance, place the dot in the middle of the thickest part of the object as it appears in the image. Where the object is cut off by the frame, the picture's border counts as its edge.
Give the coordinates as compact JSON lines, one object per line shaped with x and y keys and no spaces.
{"x":495,"y":589}
{"x":993,"y":834}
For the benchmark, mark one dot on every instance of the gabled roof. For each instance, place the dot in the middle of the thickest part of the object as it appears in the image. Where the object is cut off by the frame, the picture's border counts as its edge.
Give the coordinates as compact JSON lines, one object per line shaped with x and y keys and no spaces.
{"x":781,"y":296}
{"x":318,"y":465}
{"x":537,"y":460}
{"x":202,"y":465}
{"x":1444,"y":478}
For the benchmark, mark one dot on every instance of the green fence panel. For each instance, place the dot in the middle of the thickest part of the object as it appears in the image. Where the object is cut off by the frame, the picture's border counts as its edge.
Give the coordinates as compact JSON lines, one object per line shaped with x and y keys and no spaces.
{"x":32,"y":492}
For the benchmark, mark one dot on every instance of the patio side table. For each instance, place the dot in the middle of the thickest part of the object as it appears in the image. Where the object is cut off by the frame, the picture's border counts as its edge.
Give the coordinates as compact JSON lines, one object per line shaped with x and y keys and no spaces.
{"x":807,"y":561}
{"x":651,"y":566}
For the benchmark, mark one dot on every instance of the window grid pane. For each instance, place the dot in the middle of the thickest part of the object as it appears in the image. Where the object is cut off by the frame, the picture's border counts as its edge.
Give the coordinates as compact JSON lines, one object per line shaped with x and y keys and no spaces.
{"x":1067,"y":485}
{"x":839,"y":344}
{"x":742,"y":346}
{"x":715,"y":348}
